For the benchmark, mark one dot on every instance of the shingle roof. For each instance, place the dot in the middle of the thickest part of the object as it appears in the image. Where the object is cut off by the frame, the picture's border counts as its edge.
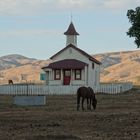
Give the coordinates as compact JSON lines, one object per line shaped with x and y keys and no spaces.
{"x":79,"y":50}
{"x":67,"y":64}
{"x":71,"y":30}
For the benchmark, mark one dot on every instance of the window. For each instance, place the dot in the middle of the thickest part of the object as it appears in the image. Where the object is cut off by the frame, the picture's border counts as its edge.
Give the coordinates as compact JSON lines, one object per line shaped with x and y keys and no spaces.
{"x":93,"y":65}
{"x":77,"y":74}
{"x":67,"y":72}
{"x":57,"y":75}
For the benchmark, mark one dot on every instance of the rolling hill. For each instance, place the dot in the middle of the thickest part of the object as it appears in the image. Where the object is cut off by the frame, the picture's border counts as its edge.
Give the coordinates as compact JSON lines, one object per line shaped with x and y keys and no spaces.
{"x":120,"y":66}
{"x":116,"y":67}
{"x":16,"y":66}
{"x":14,"y":60}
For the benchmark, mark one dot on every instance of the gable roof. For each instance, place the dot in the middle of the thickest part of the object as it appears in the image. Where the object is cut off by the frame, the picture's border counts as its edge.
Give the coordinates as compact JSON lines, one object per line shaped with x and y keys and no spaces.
{"x":71,"y":30}
{"x":67,"y":64}
{"x":79,"y":50}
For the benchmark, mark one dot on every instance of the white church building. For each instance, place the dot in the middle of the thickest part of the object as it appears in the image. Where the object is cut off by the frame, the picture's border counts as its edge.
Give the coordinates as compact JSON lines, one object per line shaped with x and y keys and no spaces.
{"x":69,"y":69}
{"x":71,"y":65}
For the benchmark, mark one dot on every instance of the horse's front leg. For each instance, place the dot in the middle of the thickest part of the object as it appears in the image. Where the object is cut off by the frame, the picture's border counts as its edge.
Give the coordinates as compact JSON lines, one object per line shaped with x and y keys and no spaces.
{"x":87,"y":104}
{"x":78,"y":103}
{"x":83,"y":103}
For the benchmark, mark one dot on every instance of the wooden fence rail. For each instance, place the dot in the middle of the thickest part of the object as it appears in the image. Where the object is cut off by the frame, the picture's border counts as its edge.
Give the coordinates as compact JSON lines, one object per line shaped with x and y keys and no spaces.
{"x":27,"y":89}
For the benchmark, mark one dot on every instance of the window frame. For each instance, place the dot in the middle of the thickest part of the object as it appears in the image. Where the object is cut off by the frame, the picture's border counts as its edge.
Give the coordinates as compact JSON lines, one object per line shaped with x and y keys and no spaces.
{"x":78,"y":74}
{"x":65,"y":72}
{"x":55,"y":74}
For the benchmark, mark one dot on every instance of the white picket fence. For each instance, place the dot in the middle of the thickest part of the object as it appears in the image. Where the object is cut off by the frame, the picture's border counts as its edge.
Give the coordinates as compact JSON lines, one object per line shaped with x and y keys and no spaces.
{"x":37,"y":90}
{"x":27,"y":89}
{"x":114,"y":88}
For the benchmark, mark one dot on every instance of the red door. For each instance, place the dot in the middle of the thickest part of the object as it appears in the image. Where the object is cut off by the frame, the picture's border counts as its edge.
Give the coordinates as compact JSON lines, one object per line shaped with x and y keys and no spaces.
{"x":67,"y":77}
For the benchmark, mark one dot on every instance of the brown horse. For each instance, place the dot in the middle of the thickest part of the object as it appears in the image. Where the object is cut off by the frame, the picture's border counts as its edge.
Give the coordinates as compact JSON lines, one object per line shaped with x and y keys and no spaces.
{"x":10,"y":81}
{"x":88,"y":93}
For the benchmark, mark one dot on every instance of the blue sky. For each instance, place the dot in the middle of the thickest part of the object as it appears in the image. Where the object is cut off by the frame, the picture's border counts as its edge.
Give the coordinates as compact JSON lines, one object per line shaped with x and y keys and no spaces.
{"x":34,"y":28}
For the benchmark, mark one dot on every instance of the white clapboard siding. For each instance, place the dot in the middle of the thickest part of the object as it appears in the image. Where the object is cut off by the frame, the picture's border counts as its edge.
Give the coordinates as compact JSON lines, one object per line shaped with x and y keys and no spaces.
{"x":18,"y":89}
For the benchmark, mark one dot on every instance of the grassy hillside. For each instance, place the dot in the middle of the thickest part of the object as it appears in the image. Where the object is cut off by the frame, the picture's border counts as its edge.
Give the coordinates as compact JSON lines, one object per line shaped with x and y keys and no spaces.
{"x":116,"y":66}
{"x":120,"y":66}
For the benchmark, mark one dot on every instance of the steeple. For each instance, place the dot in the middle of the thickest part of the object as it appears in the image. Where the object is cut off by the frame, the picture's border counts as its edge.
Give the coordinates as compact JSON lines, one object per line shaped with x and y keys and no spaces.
{"x":71,"y":35}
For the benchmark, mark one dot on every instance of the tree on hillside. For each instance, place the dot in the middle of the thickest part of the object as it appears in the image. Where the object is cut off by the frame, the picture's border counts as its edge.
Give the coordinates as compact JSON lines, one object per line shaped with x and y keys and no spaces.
{"x":134,"y":30}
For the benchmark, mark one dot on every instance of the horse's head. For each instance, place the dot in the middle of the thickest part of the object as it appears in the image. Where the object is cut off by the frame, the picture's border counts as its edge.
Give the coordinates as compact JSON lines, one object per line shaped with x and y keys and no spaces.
{"x":92,"y":96}
{"x":94,"y":103}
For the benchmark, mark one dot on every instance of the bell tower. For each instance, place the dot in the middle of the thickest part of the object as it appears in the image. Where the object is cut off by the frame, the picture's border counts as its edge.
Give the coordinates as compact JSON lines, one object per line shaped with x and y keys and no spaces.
{"x":71,"y":35}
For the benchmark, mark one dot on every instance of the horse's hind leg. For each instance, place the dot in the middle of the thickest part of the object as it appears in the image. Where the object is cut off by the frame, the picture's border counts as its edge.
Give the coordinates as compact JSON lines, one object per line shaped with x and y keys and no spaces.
{"x":83,"y":103}
{"x":87,"y":104}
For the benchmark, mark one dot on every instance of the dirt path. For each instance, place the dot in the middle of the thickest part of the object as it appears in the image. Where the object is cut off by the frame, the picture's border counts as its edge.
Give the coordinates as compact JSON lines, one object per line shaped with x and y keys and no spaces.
{"x":117,"y":118}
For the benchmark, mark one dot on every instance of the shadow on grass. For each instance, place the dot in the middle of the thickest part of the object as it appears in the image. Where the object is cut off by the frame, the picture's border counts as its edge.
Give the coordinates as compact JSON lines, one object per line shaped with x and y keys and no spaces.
{"x":53,"y":137}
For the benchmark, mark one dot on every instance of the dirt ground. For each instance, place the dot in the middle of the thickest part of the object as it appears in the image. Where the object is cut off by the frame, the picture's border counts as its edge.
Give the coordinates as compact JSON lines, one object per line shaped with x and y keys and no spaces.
{"x":117,"y":117}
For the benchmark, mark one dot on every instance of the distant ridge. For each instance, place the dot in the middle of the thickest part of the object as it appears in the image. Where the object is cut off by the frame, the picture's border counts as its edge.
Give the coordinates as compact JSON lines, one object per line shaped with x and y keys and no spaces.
{"x":14,"y":60}
{"x":116,"y":67}
{"x":120,"y":66}
{"x":14,"y":66}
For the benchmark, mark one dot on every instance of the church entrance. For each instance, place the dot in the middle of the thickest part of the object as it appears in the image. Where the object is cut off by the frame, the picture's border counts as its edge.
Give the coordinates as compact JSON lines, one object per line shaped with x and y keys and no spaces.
{"x":67,"y":77}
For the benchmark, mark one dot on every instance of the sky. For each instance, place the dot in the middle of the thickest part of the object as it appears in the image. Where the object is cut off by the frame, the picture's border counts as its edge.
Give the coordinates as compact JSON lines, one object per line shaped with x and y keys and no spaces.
{"x":34,"y":28}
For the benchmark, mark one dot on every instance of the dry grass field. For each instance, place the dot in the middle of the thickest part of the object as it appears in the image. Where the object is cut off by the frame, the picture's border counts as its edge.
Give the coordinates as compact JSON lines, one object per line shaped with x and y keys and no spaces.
{"x":117,"y":118}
